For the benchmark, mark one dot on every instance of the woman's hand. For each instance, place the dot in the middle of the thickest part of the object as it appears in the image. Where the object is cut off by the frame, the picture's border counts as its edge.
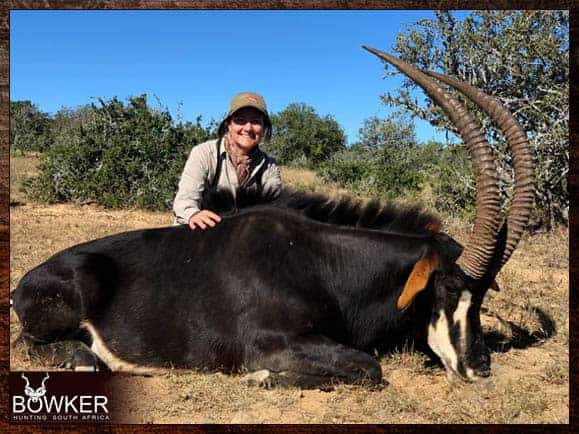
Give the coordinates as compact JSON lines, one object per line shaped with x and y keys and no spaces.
{"x":203,"y":219}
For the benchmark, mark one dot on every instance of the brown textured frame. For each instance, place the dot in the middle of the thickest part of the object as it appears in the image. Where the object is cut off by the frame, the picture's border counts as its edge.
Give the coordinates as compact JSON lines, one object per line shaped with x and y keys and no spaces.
{"x":8,"y":5}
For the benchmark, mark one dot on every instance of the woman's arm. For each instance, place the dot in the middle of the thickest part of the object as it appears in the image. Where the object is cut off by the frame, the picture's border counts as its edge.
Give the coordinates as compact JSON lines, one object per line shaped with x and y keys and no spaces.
{"x":192,"y":184}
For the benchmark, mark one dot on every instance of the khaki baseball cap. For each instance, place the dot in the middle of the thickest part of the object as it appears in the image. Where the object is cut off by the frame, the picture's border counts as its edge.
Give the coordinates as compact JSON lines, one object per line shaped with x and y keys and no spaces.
{"x":247,"y":99}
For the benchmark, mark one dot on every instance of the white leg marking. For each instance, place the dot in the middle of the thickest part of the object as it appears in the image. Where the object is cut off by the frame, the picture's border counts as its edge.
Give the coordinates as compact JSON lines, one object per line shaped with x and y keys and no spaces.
{"x":113,"y":362}
{"x":470,"y":374}
{"x":85,"y":369}
{"x":257,"y":378}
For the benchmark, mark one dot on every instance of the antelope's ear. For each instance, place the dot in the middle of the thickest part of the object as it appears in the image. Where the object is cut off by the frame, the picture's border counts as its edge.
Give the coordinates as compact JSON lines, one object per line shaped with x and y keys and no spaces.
{"x":417,"y":280}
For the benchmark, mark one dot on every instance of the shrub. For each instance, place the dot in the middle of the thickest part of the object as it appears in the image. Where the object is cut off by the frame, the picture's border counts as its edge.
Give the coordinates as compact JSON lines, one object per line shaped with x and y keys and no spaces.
{"x":302,"y":138}
{"x":372,"y":173}
{"x":352,"y":169}
{"x":122,"y":156}
{"x":383,"y":164}
{"x":29,"y":127}
{"x":452,"y":181}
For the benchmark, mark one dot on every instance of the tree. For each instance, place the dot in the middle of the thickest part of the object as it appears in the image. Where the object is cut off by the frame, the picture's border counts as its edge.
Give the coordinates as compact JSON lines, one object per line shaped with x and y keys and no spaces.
{"x":521,"y":57}
{"x":29,"y":127}
{"x":389,"y":135}
{"x":302,"y":137}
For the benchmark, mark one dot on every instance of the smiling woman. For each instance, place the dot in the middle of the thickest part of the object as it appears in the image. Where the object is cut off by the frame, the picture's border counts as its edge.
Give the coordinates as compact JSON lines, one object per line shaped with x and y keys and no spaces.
{"x":234,"y":161}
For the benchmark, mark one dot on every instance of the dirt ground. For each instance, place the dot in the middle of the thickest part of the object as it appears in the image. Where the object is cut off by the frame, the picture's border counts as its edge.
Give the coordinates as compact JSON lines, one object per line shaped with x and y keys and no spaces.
{"x":526,"y":325}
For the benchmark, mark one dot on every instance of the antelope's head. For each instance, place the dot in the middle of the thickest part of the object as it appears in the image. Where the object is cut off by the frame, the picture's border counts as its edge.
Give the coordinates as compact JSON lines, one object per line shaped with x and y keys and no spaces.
{"x":456,"y":291}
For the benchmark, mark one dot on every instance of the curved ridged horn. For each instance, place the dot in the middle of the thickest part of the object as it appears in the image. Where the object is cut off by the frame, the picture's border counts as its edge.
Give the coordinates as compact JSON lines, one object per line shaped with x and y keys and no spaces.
{"x":477,"y":255}
{"x":523,"y":196}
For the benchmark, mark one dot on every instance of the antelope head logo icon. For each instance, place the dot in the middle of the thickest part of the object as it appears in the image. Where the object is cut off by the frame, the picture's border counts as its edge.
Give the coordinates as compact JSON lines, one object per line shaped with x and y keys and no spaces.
{"x":35,"y":394}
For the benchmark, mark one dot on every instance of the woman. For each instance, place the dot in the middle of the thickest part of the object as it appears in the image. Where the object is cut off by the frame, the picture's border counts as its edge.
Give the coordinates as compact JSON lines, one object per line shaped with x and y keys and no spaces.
{"x":241,"y":164}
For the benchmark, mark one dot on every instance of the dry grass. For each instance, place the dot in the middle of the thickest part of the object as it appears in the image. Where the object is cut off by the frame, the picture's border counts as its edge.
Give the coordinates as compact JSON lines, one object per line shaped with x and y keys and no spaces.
{"x":20,"y":169}
{"x":306,"y":180}
{"x":527,"y":326}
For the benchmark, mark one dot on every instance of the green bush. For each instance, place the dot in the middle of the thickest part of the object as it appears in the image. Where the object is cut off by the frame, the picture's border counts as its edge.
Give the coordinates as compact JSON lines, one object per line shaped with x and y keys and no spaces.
{"x":383,"y":164}
{"x":351,"y":168}
{"x":302,"y":138}
{"x":29,"y":127}
{"x":370,"y":172}
{"x":453,"y":185}
{"x":403,"y":169}
{"x":121,"y":156}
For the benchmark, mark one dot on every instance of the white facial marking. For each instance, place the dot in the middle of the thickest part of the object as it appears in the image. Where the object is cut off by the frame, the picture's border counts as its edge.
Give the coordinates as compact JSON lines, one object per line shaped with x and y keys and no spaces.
{"x":459,"y":316}
{"x":439,"y":342}
{"x":439,"y":335}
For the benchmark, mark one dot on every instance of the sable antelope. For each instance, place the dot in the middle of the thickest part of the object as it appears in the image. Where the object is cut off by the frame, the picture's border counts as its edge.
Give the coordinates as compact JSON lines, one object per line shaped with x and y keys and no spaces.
{"x":297,"y":291}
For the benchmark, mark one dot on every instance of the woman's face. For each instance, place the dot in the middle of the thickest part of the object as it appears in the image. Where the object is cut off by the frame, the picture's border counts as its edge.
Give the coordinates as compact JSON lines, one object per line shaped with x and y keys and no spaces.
{"x":246,"y":128}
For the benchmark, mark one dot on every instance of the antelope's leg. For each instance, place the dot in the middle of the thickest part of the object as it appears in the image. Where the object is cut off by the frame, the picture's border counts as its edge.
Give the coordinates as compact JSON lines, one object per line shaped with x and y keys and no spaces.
{"x":310,"y":362}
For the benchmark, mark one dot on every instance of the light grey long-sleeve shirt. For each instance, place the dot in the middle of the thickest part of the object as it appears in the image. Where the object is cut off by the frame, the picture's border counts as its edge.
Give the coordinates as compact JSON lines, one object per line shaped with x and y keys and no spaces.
{"x":200,"y":170}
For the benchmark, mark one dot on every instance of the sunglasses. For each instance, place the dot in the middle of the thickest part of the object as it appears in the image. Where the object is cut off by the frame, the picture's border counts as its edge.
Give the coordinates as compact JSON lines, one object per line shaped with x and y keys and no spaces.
{"x":242,"y":120}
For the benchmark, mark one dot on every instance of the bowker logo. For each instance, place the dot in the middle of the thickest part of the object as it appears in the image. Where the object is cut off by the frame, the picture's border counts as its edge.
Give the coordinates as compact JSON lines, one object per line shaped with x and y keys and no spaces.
{"x":36,"y":405}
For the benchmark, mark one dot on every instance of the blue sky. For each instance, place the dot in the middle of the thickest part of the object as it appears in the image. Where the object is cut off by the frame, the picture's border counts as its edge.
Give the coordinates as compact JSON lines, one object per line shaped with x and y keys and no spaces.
{"x":197,"y":60}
